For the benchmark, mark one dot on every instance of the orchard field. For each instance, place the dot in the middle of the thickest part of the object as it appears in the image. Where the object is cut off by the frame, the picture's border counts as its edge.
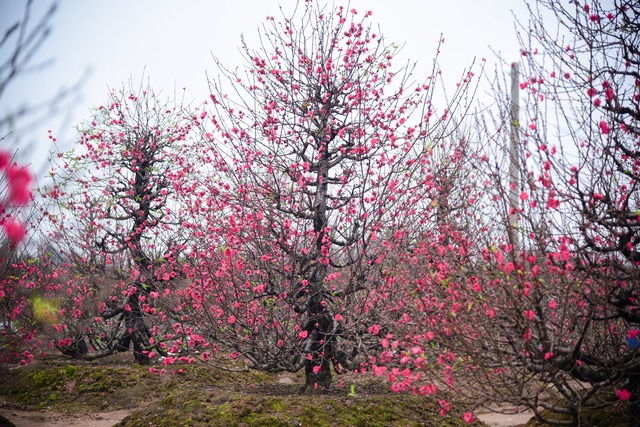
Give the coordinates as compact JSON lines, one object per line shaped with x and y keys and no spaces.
{"x":332,"y":238}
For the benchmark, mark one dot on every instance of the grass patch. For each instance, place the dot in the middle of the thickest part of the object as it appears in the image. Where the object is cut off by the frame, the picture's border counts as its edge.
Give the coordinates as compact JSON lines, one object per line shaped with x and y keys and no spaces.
{"x":202,"y":396}
{"x":72,"y":388}
{"x":241,"y":410}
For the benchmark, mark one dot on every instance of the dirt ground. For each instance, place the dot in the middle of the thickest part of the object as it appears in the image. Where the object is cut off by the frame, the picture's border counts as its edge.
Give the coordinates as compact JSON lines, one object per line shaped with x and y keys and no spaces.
{"x":108,"y":419}
{"x":285,"y":384}
{"x":505,"y":420}
{"x":47,"y":418}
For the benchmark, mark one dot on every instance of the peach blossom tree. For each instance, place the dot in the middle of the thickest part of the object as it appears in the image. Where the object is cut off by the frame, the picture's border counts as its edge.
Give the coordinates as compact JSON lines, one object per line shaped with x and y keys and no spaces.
{"x":323,"y":167}
{"x":537,"y":304}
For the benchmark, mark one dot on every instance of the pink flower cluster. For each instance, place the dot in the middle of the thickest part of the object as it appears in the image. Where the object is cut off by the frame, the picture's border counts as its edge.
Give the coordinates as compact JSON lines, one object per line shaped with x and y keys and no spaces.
{"x":18,"y":194}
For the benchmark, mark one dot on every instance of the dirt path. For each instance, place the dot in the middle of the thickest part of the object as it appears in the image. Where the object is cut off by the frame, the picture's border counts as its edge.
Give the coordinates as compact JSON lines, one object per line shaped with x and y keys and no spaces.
{"x":127,"y":393}
{"x":505,"y":420}
{"x":46,"y":418}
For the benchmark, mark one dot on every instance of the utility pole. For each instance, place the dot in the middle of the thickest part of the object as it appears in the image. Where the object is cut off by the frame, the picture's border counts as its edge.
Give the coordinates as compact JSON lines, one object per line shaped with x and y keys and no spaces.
{"x":514,"y":155}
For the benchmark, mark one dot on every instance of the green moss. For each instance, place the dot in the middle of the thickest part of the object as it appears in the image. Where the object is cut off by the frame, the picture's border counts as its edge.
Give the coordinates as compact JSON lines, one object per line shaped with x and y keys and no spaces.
{"x":249,"y":410}
{"x":73,"y":388}
{"x":203,"y":396}
{"x":276,"y":404}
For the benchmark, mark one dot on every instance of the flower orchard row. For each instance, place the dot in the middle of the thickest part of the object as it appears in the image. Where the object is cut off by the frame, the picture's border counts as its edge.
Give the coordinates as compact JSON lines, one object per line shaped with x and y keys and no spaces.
{"x":324,"y":211}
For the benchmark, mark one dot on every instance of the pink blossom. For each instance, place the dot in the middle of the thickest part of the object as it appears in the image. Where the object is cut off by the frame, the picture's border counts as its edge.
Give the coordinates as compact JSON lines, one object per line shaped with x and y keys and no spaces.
{"x":509,"y":267}
{"x":231,"y":320}
{"x":338,"y":317}
{"x":535,"y":270}
{"x":14,"y":229}
{"x":468,"y":417}
{"x":428,"y":389}
{"x":4,"y":159}
{"x":609,"y":94}
{"x":524,"y":196}
{"x":445,"y":407}
{"x":303,"y":334}
{"x":19,"y":182}
{"x":623,"y":394}
{"x":604,"y":127}
{"x":379,"y":370}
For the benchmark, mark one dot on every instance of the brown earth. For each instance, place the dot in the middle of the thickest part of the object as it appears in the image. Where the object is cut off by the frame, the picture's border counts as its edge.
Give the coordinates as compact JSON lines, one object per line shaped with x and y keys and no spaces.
{"x":57,"y":393}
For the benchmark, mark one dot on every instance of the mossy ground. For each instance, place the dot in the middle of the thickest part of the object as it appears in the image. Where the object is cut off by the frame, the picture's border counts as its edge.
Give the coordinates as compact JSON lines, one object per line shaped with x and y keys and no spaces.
{"x":236,"y":409}
{"x":203,"y":395}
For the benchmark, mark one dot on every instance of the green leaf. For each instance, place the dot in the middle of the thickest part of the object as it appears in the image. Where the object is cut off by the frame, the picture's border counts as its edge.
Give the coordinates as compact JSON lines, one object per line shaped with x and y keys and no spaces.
{"x":352,"y":393}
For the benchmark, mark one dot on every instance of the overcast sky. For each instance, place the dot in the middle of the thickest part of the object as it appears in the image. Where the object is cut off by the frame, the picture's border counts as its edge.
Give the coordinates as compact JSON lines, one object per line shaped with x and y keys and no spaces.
{"x":106,"y":43}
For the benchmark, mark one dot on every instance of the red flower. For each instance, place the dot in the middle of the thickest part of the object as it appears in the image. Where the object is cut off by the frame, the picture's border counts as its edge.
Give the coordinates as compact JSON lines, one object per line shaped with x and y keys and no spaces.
{"x":14,"y":229}
{"x":609,"y":94}
{"x":604,"y":127}
{"x":4,"y":159}
{"x":468,"y":418}
{"x":623,"y":394}
{"x":19,"y":180}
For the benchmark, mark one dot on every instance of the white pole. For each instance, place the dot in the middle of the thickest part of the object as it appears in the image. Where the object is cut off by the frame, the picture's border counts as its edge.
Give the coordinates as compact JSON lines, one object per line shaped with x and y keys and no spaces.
{"x":514,"y":154}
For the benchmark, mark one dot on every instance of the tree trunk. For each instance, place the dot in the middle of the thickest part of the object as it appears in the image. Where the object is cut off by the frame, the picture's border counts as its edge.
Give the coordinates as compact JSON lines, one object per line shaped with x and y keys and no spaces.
{"x":317,"y":382}
{"x":634,"y":401}
{"x":137,"y":331}
{"x":318,"y":364}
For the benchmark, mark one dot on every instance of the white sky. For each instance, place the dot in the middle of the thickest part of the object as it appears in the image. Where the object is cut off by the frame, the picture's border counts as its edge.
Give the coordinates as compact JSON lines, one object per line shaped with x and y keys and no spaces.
{"x":172,"y":43}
